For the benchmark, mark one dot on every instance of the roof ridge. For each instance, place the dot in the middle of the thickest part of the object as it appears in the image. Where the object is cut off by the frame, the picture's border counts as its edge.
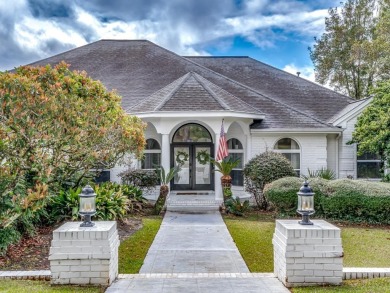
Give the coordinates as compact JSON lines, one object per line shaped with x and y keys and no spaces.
{"x":169,"y":96}
{"x":234,"y":96}
{"x":158,"y":91}
{"x":255,"y":91}
{"x":211,"y":92}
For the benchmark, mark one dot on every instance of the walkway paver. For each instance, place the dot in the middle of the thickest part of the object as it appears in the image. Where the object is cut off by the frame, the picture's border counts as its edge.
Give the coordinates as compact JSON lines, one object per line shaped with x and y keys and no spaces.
{"x":195,"y":253}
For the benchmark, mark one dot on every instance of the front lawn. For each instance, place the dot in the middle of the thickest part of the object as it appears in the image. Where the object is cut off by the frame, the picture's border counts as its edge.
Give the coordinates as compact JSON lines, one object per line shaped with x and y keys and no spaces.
{"x":133,"y":250}
{"x":27,"y":286}
{"x":363,"y":246}
{"x":380,"y":285}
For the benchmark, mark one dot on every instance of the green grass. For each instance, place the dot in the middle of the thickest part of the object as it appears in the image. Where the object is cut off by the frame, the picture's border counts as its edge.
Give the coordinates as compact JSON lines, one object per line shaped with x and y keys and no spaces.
{"x":366,"y":247}
{"x":27,"y":286}
{"x":381,"y":285}
{"x":363,"y":246}
{"x":133,"y":250}
{"x":254,"y":241}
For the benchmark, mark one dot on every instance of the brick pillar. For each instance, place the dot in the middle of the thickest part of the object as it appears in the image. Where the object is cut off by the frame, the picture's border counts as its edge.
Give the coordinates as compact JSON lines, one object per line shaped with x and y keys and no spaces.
{"x":84,"y":255}
{"x":306,"y":255}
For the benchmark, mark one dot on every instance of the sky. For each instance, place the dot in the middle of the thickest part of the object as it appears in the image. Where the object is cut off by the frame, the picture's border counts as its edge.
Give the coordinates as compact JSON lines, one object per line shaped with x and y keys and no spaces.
{"x":272,"y":31}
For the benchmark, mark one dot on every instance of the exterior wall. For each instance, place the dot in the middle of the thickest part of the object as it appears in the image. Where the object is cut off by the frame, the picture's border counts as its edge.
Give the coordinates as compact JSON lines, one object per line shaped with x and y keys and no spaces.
{"x":332,"y":152}
{"x":347,"y":153}
{"x":313,"y":148}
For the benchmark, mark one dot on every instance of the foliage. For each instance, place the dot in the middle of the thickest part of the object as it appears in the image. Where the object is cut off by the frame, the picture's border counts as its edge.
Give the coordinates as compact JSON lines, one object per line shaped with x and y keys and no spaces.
{"x":144,"y":179}
{"x":342,"y":199}
{"x":226,"y":166}
{"x":8,"y":236}
{"x":55,"y":125}
{"x":263,"y":169}
{"x":110,"y":203}
{"x":372,"y":130}
{"x":64,"y":205}
{"x":323,"y":173}
{"x":133,"y":250}
{"x":227,"y":193}
{"x":236,"y":207}
{"x":164,"y":188}
{"x":353,"y":52}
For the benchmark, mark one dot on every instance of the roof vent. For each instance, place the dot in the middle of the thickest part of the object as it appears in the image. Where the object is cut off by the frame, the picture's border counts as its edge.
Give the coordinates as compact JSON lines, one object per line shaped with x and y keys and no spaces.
{"x":298,"y":73}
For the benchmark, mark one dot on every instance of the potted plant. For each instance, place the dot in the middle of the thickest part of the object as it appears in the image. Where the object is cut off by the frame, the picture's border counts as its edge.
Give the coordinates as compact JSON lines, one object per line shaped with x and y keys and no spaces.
{"x":225,"y":167}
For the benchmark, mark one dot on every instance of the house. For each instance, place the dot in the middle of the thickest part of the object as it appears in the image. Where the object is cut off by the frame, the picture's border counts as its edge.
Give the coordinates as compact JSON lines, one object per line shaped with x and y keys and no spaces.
{"x":184,"y":99}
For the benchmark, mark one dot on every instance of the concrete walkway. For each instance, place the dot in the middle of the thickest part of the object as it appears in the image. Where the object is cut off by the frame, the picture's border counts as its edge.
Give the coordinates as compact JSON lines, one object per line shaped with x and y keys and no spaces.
{"x":195,"y":253}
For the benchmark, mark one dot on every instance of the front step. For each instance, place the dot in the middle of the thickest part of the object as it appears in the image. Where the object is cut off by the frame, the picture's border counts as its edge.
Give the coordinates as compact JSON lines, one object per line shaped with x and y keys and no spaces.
{"x":194,"y":202}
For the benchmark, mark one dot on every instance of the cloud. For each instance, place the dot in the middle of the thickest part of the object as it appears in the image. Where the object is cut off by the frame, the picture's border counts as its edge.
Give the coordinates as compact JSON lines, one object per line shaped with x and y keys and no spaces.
{"x":306,"y":72}
{"x":36,"y":29}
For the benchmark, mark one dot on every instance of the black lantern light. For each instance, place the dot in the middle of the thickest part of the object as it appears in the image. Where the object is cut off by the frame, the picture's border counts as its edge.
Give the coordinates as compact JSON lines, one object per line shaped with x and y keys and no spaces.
{"x":305,"y":203}
{"x":87,"y":205}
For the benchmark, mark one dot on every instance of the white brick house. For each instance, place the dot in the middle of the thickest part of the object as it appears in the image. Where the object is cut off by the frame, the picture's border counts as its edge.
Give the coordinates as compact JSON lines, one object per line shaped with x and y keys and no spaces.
{"x":184,"y":99}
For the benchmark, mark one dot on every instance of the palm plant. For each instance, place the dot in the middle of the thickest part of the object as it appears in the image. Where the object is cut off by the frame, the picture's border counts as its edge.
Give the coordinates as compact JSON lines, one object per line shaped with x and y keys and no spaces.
{"x":225,"y":167}
{"x":165,"y":178}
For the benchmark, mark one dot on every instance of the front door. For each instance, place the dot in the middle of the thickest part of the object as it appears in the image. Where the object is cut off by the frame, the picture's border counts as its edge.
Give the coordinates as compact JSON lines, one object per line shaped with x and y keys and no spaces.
{"x":195,"y":168}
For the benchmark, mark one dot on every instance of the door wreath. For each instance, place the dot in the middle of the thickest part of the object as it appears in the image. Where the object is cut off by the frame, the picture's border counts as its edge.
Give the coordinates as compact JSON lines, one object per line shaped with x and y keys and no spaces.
{"x":203,"y":157}
{"x":181,"y":157}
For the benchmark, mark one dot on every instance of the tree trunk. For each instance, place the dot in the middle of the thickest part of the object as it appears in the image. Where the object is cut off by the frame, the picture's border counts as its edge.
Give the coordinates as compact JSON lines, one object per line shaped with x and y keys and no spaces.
{"x":162,"y":197}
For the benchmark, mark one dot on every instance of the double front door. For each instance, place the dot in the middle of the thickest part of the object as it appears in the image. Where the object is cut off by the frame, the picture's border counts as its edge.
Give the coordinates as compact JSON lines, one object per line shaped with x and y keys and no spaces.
{"x":195,"y":167}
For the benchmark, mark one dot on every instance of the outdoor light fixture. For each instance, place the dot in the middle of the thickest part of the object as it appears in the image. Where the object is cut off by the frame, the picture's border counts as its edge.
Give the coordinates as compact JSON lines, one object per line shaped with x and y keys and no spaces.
{"x":305,"y":203}
{"x":87,"y":205}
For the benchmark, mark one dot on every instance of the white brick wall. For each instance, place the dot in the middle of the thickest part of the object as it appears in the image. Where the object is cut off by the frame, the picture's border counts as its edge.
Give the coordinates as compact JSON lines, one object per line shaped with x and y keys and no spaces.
{"x":307,"y":255}
{"x":81,"y":255}
{"x":313,"y":148}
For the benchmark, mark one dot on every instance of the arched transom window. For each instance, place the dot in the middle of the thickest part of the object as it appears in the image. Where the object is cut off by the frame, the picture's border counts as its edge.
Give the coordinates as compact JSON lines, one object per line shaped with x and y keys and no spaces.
{"x":152,"y":153}
{"x":236,"y":151}
{"x":192,"y":133}
{"x":290,"y":149}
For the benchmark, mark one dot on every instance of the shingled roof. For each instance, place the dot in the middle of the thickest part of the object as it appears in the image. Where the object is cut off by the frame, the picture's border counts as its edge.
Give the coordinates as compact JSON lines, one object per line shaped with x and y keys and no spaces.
{"x":152,"y":79}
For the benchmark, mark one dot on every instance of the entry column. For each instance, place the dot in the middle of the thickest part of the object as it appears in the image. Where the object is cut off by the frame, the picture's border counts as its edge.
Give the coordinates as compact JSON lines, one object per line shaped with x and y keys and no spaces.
{"x":165,"y":152}
{"x":217,"y":175}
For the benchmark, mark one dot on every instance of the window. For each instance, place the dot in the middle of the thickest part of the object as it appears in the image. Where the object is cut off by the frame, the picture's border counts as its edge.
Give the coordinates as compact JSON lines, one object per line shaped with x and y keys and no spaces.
{"x":236,"y":151}
{"x":369,"y":166}
{"x":192,"y":133}
{"x":290,"y":149}
{"x":152,"y":155}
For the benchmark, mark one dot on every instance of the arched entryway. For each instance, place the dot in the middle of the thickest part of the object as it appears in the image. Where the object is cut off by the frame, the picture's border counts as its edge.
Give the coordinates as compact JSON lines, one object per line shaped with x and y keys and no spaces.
{"x":192,"y":146}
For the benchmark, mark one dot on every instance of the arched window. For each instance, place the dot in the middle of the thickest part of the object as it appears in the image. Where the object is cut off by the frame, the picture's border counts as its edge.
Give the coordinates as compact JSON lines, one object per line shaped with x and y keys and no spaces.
{"x":290,"y":149}
{"x":192,"y":133}
{"x":236,"y":151}
{"x":152,"y":153}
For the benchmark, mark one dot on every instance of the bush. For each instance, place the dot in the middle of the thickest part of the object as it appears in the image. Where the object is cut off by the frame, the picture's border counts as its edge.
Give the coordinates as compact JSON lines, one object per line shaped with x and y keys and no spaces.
{"x":64,"y":206}
{"x":263,"y":169}
{"x":323,"y":173}
{"x":342,"y":199}
{"x":144,"y":179}
{"x":236,"y":207}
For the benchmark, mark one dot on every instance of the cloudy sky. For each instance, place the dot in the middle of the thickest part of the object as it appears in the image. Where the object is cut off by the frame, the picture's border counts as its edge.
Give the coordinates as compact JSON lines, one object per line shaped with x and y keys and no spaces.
{"x":275,"y":32}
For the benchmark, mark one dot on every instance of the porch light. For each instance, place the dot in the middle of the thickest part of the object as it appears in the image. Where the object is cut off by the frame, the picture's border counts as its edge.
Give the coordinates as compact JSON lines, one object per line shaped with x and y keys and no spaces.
{"x":87,"y":205}
{"x":305,"y":203}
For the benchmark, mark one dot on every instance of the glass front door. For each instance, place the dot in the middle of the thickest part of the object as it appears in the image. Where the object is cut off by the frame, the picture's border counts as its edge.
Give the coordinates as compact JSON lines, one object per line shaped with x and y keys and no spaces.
{"x":195,"y":168}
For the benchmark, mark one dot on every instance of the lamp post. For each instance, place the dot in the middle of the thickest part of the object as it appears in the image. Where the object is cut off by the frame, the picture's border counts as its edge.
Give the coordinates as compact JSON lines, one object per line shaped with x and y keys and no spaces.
{"x":87,"y":205}
{"x":305,"y":203}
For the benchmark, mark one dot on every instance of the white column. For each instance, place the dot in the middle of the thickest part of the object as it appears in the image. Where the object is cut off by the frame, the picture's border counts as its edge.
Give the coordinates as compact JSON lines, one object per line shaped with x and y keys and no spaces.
{"x":165,"y":152}
{"x":248,"y":148}
{"x":217,"y":175}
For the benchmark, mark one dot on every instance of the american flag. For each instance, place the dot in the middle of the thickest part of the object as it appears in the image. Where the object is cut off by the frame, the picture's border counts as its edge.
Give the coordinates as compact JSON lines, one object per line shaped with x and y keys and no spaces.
{"x":223,"y":148}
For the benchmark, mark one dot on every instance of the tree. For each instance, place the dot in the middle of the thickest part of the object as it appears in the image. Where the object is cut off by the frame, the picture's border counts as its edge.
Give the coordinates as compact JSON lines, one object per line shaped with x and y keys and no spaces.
{"x":372,"y":130}
{"x":55,"y":125}
{"x":350,"y":56}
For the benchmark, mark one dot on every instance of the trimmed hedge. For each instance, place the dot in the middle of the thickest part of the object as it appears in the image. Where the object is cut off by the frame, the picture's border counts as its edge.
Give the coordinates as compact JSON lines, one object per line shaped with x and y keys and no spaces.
{"x":342,"y":199}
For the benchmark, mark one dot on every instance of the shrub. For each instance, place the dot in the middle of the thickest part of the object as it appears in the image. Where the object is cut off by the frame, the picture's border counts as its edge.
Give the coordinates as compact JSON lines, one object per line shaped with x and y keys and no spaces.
{"x":263,"y":169}
{"x":236,"y":207}
{"x":144,"y":179}
{"x":64,"y":206}
{"x":110,"y":203}
{"x":342,"y":199}
{"x":323,"y":173}
{"x":8,"y":236}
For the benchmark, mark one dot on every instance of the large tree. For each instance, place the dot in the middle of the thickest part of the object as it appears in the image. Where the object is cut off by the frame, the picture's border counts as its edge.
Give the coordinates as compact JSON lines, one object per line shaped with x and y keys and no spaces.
{"x":351,"y":55}
{"x":56,"y":125}
{"x":372,"y":130}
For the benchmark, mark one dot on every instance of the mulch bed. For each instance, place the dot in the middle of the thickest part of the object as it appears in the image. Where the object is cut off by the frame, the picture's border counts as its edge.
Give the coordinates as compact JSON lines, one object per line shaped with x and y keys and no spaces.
{"x":31,"y":253}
